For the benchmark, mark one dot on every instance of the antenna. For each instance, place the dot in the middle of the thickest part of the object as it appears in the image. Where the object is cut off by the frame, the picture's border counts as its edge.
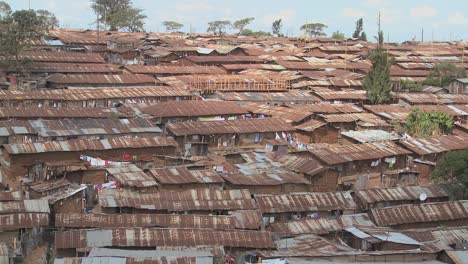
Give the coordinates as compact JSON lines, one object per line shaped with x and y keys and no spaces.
{"x":422,"y":34}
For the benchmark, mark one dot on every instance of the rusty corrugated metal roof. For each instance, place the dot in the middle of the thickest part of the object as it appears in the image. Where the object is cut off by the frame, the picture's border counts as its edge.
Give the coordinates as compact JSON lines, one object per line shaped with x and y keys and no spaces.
{"x":437,"y":144}
{"x":429,"y":212}
{"x":286,"y":113}
{"x":49,"y":112}
{"x":152,"y":237}
{"x":91,"y":79}
{"x":286,"y":97}
{"x":89,"y":144}
{"x":305,"y":202}
{"x":409,"y":193}
{"x":337,"y":154}
{"x":24,"y":206}
{"x":131,"y":175}
{"x":240,"y":126}
{"x":11,"y":196}
{"x":182,"y":175}
{"x":196,"y":108}
{"x":62,"y":56}
{"x":23,"y":220}
{"x":59,"y":67}
{"x":302,"y":165}
{"x":125,"y":260}
{"x":174,"y":70}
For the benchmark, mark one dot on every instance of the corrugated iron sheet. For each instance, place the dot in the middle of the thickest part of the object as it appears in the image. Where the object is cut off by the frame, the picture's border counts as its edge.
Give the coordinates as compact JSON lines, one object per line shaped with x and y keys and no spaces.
{"x":367,"y":119}
{"x":152,"y":237}
{"x":121,"y":260}
{"x":302,"y":165}
{"x":11,"y":196}
{"x":305,"y":202}
{"x":144,"y":220}
{"x":437,"y":144}
{"x":194,"y":109}
{"x":90,"y":79}
{"x":23,"y":220}
{"x":173,"y":201}
{"x":330,"y":95}
{"x":409,"y":193}
{"x":425,"y":98}
{"x":90,"y":144}
{"x":70,"y":57}
{"x":286,"y":113}
{"x":24,"y":206}
{"x":227,"y":59}
{"x":131,"y":175}
{"x":240,"y":126}
{"x":51,"y":113}
{"x":182,"y":175}
{"x":174,"y":70}
{"x":430,"y":212}
{"x":287,"y":97}
{"x":58,"y":67}
{"x":337,"y":154}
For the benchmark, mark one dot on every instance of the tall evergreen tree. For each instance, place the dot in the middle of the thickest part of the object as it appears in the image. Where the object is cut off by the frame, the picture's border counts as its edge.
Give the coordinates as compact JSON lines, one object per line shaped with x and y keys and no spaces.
{"x":377,"y":82}
{"x":276,"y":27}
{"x":359,"y":28}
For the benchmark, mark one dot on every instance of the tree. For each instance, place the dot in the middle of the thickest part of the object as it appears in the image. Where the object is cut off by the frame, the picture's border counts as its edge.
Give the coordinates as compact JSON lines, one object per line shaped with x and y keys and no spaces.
{"x":249,"y":32}
{"x":359,"y":28}
{"x":380,"y":38}
{"x":338,"y":35}
{"x":276,"y":27}
{"x":172,"y":26}
{"x":119,"y":14}
{"x":241,"y":24}
{"x":452,"y":169}
{"x":443,"y":73}
{"x":410,"y":86}
{"x":17,"y":30}
{"x":363,"y":36}
{"x":377,"y":82}
{"x":428,"y":123}
{"x":218,"y":27}
{"x":49,"y":20}
{"x":314,"y":29}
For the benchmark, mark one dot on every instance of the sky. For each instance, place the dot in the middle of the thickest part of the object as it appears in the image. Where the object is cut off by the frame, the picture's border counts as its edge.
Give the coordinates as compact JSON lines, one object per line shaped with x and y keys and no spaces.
{"x":401,"y":20}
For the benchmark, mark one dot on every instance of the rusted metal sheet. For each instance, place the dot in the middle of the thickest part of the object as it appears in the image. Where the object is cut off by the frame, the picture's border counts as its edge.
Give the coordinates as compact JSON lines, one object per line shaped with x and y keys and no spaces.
{"x":194,"y":109}
{"x":364,"y":119}
{"x":90,"y":79}
{"x":90,"y":144}
{"x":410,"y":193}
{"x":50,"y":113}
{"x":50,"y":185}
{"x":122,"y":260}
{"x":430,"y":212}
{"x":286,"y":97}
{"x":424,"y":98}
{"x":23,"y":220}
{"x":437,"y":144}
{"x":240,"y":67}
{"x":240,"y":126}
{"x":247,"y":219}
{"x":145,"y":220}
{"x":338,"y":154}
{"x":174,"y":70}
{"x":152,"y":237}
{"x":288,"y":114}
{"x":127,"y":94}
{"x":182,"y":175}
{"x":310,"y":125}
{"x":305,"y":202}
{"x":330,"y":95}
{"x":70,"y":57}
{"x":226,"y":59}
{"x":11,"y":196}
{"x":58,"y":67}
{"x":326,"y":108}
{"x":173,"y":201}
{"x":302,"y":165}
{"x":131,"y":175}
{"x":25,"y":206}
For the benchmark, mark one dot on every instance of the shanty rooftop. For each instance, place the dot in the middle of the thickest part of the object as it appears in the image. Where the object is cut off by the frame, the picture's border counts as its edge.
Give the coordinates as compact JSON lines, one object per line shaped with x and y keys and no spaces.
{"x":195,"y":108}
{"x":91,"y":79}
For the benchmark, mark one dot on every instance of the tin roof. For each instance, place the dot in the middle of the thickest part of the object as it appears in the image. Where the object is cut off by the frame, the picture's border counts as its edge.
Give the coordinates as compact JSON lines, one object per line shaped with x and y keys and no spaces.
{"x":284,"y":112}
{"x":286,"y":97}
{"x":193,"y":109}
{"x":409,"y":193}
{"x":375,"y":235}
{"x":363,"y":119}
{"x":240,"y":126}
{"x":175,"y":201}
{"x":49,"y":112}
{"x":426,"y":98}
{"x":24,"y":206}
{"x":174,"y":70}
{"x":68,"y":220}
{"x":161,"y":252}
{"x":429,"y":212}
{"x":23,"y":220}
{"x":330,"y":95}
{"x":126,"y":260}
{"x":302,"y":164}
{"x":327,"y":108}
{"x":337,"y":154}
{"x":11,"y":196}
{"x":131,"y":175}
{"x":89,"y":144}
{"x":62,"y":56}
{"x":437,"y":144}
{"x":320,"y":225}
{"x":366,"y":136}
{"x":221,"y":59}
{"x":60,"y":67}
{"x":152,"y":237}
{"x":305,"y":202}
{"x":182,"y":175}
{"x":91,"y":79}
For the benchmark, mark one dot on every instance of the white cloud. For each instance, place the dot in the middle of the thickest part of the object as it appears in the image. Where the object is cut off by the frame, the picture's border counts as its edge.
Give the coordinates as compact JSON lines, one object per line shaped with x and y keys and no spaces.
{"x":351,"y":12}
{"x":389,"y":15}
{"x":457,"y":19}
{"x":285,"y":15}
{"x":423,"y":11}
{"x":194,"y":7}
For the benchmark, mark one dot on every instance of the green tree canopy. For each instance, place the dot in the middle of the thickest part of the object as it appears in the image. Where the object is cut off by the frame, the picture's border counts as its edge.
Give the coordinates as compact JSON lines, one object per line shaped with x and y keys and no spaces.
{"x":242,"y":23}
{"x":172,"y":26}
{"x":443,"y":73}
{"x":119,"y":14}
{"x":314,"y":29}
{"x":218,"y":27}
{"x":363,"y":36}
{"x":17,"y":30}
{"x":276,"y":27}
{"x":338,"y":35}
{"x":452,"y":169}
{"x":410,"y":86}
{"x":249,"y":32}
{"x":359,"y":28}
{"x":379,"y":38}
{"x":48,"y":19}
{"x":428,"y":123}
{"x":377,"y":82}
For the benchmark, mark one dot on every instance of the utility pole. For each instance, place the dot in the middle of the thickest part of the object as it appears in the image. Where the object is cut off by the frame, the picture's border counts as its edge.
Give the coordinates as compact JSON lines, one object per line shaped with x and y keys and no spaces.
{"x":105,"y":19}
{"x":422,"y":34}
{"x":97,"y":25}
